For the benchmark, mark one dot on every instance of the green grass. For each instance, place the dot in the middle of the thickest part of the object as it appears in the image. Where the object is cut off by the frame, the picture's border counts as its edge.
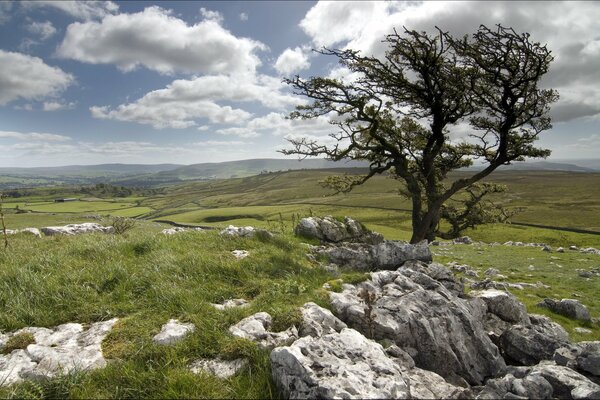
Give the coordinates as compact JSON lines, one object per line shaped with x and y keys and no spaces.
{"x":557,"y":270}
{"x":145,"y":278}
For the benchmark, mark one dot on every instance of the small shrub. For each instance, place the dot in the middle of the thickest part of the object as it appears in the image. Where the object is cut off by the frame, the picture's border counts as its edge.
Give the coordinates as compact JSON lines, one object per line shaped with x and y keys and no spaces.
{"x":19,"y":341}
{"x":122,"y":224}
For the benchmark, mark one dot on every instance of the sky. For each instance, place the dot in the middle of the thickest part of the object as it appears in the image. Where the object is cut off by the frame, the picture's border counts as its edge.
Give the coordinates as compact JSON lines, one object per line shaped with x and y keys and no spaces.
{"x":190,"y":82}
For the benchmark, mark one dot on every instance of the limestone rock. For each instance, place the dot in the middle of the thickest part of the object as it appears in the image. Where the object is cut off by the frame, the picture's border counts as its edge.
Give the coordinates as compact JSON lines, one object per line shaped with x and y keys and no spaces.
{"x":504,"y":305}
{"x":463,"y":240}
{"x":173,"y":231}
{"x":526,"y":387}
{"x":582,"y":356}
{"x":588,"y":359}
{"x":442,"y":332}
{"x":256,"y":328}
{"x":318,"y":321}
{"x":220,"y":368}
{"x":570,"y":308}
{"x":232,"y":303}
{"x":31,"y":231}
{"x":76,"y":229}
{"x":530,"y":344}
{"x":567,"y":383}
{"x":240,"y":254}
{"x":173,"y":331}
{"x":389,"y":254}
{"x":66,"y":348}
{"x":328,"y":229}
{"x":337,"y":365}
{"x":245,"y":231}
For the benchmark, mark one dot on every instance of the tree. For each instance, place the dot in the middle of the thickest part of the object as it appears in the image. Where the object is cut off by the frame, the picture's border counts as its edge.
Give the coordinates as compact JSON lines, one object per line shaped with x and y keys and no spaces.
{"x":397,"y":112}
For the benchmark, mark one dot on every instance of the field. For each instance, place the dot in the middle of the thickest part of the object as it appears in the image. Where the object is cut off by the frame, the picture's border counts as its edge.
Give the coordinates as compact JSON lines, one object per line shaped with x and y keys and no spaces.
{"x":145,"y":278}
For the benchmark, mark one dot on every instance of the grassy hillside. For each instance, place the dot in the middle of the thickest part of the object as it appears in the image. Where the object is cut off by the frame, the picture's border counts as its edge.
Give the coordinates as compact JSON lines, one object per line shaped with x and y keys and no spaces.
{"x":563,"y":199}
{"x":146,"y":278}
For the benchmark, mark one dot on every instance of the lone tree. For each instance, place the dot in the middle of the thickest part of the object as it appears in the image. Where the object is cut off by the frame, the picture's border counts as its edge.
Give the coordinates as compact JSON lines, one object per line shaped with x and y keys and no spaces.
{"x":397,"y":112}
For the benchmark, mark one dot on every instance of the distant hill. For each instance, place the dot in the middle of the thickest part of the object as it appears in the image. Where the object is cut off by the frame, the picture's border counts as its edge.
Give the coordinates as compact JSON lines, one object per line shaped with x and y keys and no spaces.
{"x":90,"y":170}
{"x":164,"y":174}
{"x":544,"y":166}
{"x":243,"y":168}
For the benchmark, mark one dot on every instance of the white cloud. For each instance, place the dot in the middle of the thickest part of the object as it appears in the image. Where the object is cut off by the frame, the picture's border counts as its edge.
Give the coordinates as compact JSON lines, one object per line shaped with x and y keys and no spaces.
{"x":56,"y":106}
{"x":83,"y":10}
{"x":183,"y":102}
{"x":161,"y":42}
{"x":221,"y":143}
{"x":292,"y":60}
{"x":44,"y":30}
{"x":212,"y":15}
{"x":33,"y":136}
{"x":576,"y":45}
{"x":277,"y":124}
{"x":27,"y":77}
{"x":243,"y":16}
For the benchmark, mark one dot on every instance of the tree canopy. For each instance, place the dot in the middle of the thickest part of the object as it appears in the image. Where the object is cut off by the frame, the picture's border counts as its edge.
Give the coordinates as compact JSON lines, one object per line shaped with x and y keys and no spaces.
{"x":398,"y":111}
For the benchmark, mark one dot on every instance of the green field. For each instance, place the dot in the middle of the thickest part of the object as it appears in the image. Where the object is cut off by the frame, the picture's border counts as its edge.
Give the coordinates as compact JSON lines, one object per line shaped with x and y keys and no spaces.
{"x":274,"y":200}
{"x":145,"y":278}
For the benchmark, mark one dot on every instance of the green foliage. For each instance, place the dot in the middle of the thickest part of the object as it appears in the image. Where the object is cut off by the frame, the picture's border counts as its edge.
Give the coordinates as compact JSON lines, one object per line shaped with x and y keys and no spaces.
{"x":122,"y":224}
{"x":397,"y":114}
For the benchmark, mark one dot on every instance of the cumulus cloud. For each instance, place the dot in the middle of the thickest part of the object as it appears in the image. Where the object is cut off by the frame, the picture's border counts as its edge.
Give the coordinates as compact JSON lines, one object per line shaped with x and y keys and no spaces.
{"x":159,"y":41}
{"x":243,"y":16}
{"x":212,"y":15}
{"x":44,"y":30}
{"x":576,"y":46}
{"x":183,"y":102}
{"x":5,"y":9}
{"x":57,"y":105}
{"x":26,"y":77}
{"x":277,"y":124}
{"x":83,"y":10}
{"x":33,"y":136}
{"x":292,"y":60}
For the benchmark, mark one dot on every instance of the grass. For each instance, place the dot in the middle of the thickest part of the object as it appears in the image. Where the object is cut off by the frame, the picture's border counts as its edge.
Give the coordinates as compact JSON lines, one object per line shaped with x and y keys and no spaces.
{"x":146,"y":278}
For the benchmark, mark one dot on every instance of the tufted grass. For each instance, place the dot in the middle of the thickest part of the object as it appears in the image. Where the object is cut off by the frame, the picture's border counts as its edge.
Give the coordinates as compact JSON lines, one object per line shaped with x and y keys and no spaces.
{"x":557,"y":270}
{"x":145,"y":278}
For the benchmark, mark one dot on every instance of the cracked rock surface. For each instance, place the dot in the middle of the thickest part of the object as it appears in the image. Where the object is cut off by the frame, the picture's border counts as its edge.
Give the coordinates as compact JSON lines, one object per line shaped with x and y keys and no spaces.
{"x":61,"y":350}
{"x":337,"y":365}
{"x":256,"y":328}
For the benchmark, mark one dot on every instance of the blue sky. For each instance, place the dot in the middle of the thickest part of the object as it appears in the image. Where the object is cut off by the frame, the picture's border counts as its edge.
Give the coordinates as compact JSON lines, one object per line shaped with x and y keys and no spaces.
{"x":189,"y":82}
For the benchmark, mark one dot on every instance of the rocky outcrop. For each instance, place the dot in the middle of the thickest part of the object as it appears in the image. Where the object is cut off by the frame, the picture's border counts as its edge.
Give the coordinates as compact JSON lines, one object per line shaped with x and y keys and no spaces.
{"x":530,"y":344}
{"x":582,"y":356}
{"x":76,"y":229}
{"x":61,"y":350}
{"x":337,"y":365}
{"x":504,"y":305}
{"x":244,"y":231}
{"x":318,"y":321}
{"x":173,"y":331}
{"x":570,"y":308}
{"x":30,"y":231}
{"x":330,"y":230}
{"x":442,"y":332}
{"x":256,"y":328}
{"x":389,"y":254}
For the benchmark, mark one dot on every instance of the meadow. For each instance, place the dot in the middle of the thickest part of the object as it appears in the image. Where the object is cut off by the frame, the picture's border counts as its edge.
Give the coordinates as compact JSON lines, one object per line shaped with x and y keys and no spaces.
{"x":144,"y":277}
